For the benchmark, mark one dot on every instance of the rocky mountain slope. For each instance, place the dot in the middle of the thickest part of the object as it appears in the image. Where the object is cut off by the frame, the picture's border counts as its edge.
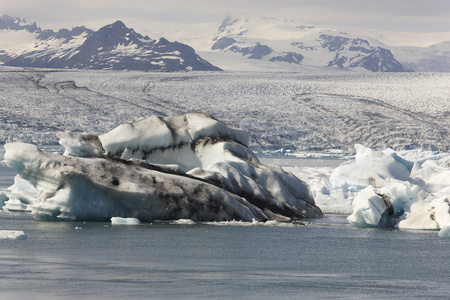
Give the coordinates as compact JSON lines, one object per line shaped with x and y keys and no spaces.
{"x":114,"y":46}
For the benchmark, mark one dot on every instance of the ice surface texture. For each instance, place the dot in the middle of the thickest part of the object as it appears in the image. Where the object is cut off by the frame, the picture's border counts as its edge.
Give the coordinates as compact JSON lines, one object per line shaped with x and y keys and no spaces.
{"x":296,"y":111}
{"x":180,"y":167}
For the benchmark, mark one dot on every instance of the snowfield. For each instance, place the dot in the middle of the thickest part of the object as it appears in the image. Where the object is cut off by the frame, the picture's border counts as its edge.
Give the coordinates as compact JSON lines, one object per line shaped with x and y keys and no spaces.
{"x":303,"y":111}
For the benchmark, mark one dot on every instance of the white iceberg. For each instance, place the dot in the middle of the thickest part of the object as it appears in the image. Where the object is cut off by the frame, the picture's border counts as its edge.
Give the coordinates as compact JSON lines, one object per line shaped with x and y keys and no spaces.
{"x":12,"y":235}
{"x":183,"y":222}
{"x":405,"y":189}
{"x":369,"y":167}
{"x":180,"y":167}
{"x":124,"y":221}
{"x":371,"y":209}
{"x":444,"y":232}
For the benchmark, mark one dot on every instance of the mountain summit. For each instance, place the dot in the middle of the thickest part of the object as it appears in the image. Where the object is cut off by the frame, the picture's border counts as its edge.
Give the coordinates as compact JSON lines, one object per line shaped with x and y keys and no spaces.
{"x":10,"y":23}
{"x":114,"y":46}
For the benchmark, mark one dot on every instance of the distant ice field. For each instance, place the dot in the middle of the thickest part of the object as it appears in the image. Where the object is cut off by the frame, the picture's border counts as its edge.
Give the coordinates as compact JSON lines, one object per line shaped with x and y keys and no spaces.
{"x":303,"y":111}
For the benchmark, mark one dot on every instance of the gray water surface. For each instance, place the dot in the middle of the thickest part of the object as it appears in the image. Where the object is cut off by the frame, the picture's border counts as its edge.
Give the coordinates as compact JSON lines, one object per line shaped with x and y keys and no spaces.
{"x":324,"y":259}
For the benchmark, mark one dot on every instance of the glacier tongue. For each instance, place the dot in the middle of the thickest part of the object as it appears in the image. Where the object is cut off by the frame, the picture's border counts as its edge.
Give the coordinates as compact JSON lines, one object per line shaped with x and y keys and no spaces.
{"x":180,"y":167}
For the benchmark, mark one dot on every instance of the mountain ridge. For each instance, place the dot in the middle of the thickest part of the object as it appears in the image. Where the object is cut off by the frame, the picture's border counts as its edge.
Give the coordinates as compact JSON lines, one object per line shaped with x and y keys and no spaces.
{"x":114,"y":46}
{"x":235,"y":44}
{"x":276,"y":40}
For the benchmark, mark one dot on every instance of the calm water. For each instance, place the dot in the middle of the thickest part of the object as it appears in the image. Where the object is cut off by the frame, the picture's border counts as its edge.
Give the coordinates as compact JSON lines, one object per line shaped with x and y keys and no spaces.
{"x":325,"y":259}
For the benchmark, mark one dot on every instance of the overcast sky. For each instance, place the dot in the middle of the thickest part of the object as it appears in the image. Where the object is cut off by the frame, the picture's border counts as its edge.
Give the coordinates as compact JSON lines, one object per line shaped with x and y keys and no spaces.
{"x":396,"y":15}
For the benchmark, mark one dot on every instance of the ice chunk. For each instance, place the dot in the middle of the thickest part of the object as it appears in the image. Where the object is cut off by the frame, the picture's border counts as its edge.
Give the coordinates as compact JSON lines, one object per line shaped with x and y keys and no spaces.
{"x":20,"y":195}
{"x":124,"y":221}
{"x":97,"y":189}
{"x":428,"y":215}
{"x":12,"y":235}
{"x":402,"y":195}
{"x":183,"y":222}
{"x":370,"y":167}
{"x":79,"y":144}
{"x":270,"y":223}
{"x":160,"y":133}
{"x":14,"y":204}
{"x":444,"y":232}
{"x":371,"y":209}
{"x":408,"y":189}
{"x":431,"y":175}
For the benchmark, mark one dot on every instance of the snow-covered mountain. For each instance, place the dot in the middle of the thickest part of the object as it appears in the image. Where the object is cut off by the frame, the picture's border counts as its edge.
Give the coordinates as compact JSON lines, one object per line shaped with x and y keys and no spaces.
{"x":275,"y":40}
{"x":238,"y":44}
{"x":114,"y":46}
{"x":434,"y":58}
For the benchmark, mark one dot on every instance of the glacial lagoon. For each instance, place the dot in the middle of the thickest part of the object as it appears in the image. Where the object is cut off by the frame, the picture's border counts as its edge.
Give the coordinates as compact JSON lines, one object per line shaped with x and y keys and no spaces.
{"x":326,"y":258}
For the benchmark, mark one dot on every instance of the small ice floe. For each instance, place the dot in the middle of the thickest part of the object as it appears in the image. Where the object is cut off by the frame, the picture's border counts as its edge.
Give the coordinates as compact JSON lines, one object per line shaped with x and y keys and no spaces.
{"x":124,"y":221}
{"x":183,"y":222}
{"x":12,"y":235}
{"x":278,"y":224}
{"x":272,"y":223}
{"x":444,"y":232}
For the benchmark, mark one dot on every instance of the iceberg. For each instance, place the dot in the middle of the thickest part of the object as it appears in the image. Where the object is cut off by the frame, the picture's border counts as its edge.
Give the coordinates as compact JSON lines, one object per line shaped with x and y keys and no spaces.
{"x":407,"y":189}
{"x":188,"y":166}
{"x":124,"y":221}
{"x":12,"y":235}
{"x":444,"y":232}
{"x":371,"y":209}
{"x":183,"y":222}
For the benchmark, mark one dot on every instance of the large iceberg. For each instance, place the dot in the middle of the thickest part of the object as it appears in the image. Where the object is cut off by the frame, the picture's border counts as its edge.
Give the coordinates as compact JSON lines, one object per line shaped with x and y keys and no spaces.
{"x":405,"y":189}
{"x":178,"y":167}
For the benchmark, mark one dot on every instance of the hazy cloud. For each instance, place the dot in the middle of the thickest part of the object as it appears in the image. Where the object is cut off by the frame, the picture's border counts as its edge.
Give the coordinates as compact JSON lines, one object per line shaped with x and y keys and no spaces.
{"x":399,"y":15}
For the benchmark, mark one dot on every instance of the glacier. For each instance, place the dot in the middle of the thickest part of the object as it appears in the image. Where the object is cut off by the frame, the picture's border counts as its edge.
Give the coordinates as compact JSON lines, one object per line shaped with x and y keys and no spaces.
{"x":188,"y":166}
{"x":407,"y":189}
